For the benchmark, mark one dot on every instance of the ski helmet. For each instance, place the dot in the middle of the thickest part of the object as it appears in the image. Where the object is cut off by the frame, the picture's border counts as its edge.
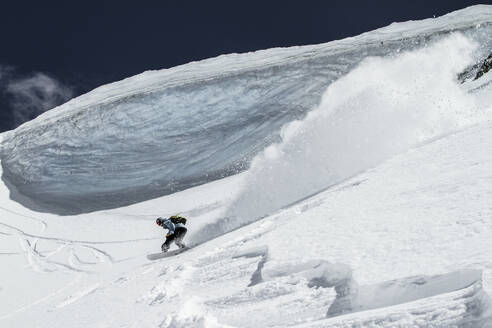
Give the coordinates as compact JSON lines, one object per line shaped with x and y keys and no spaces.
{"x":159,"y":221}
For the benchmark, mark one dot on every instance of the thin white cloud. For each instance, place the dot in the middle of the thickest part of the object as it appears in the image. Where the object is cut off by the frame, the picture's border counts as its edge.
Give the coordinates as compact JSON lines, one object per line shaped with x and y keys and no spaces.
{"x":30,"y":96}
{"x":5,"y":71}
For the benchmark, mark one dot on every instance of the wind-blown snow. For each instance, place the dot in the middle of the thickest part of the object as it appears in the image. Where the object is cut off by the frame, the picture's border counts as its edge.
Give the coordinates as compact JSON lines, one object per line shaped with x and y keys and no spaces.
{"x":164,"y":131}
{"x":381,"y":108}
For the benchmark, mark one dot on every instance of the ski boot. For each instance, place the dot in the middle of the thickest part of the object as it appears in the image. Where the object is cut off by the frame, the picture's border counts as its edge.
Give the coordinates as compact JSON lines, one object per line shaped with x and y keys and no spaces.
{"x":180,"y":244}
{"x":164,"y":248}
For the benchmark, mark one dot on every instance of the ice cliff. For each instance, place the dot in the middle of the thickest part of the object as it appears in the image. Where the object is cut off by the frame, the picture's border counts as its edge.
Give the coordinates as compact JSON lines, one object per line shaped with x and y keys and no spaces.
{"x":164,"y":131}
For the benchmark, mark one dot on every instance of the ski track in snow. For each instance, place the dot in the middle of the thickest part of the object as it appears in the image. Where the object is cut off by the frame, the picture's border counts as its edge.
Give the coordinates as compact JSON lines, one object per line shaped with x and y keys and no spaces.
{"x":75,"y":297}
{"x":43,"y":263}
{"x":63,"y":253}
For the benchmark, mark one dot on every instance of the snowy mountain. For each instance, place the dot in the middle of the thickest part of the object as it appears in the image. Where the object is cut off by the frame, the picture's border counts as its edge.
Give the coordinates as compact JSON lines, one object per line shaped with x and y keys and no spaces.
{"x":157,"y":132}
{"x":365,"y":202}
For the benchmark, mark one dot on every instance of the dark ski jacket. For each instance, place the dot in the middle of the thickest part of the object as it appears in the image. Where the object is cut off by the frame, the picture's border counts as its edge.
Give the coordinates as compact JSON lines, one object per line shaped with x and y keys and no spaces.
{"x":167,"y":224}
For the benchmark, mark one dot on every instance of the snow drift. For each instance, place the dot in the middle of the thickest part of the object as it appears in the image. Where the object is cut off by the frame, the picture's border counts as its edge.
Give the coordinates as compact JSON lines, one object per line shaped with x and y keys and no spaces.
{"x":163,"y":131}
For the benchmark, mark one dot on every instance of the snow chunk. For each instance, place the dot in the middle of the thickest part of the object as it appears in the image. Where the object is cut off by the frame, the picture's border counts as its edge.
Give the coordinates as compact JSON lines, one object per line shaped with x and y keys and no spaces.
{"x":404,"y":290}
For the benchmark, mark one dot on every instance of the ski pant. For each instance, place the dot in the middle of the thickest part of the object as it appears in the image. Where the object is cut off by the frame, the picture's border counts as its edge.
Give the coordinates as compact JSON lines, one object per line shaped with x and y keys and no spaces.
{"x":177,"y":236}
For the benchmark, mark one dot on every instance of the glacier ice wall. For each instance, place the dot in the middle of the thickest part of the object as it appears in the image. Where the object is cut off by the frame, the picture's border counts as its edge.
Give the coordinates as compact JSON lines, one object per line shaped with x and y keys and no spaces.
{"x":164,"y":131}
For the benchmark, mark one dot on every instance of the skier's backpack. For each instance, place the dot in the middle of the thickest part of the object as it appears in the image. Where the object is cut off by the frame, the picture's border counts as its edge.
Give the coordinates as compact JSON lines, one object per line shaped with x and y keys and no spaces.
{"x":177,"y":219}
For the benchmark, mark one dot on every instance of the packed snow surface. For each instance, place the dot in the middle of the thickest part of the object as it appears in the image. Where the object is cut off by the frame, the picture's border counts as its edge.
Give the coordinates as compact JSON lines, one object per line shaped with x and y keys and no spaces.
{"x":371,"y":208}
{"x":164,"y":131}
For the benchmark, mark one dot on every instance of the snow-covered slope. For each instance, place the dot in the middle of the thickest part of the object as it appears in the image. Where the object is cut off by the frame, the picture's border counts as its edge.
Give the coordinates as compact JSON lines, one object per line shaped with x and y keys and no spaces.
{"x":405,"y":244}
{"x":157,"y":132}
{"x":372,"y":211}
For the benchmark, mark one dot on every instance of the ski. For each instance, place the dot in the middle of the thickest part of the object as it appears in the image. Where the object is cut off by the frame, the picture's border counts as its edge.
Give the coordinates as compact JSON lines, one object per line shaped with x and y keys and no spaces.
{"x":161,"y":255}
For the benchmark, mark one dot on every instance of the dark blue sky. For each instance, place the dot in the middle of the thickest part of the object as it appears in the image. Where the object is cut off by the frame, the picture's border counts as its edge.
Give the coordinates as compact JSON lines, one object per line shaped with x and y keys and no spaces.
{"x":52,"y":51}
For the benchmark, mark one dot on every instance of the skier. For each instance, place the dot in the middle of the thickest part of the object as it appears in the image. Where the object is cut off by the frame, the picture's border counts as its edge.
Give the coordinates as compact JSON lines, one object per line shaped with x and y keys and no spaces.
{"x":176,"y":226}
